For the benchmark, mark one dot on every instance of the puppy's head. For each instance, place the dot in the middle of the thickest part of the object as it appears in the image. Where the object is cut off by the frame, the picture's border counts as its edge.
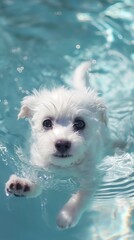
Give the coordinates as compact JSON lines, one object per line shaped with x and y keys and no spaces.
{"x":65,"y":124}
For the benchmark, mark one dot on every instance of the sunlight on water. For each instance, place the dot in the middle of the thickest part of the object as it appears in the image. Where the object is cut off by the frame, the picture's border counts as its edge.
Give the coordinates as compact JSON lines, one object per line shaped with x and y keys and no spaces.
{"x":41,"y":43}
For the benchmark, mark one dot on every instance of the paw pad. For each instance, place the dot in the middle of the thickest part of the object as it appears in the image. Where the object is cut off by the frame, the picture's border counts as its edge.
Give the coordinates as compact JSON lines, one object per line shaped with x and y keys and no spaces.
{"x":17,"y":186}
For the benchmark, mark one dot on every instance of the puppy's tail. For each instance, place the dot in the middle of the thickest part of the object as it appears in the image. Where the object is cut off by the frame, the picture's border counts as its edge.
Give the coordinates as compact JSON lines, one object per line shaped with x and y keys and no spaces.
{"x":80,"y":77}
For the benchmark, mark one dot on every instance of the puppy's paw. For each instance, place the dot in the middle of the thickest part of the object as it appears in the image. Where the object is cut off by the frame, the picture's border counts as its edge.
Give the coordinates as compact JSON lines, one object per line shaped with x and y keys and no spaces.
{"x":65,"y":220}
{"x":20,"y":187}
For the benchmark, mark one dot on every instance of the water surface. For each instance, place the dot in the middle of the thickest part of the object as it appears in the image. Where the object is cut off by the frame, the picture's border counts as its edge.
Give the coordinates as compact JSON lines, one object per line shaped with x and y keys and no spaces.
{"x":41,"y":43}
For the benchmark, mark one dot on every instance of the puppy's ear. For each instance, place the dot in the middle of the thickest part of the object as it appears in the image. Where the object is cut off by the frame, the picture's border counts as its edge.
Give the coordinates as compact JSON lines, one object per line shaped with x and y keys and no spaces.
{"x":27,"y":106}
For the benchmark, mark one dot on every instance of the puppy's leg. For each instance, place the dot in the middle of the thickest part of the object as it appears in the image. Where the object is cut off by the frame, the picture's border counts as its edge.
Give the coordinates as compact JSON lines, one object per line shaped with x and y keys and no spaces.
{"x":73,"y":209}
{"x":22,"y":187}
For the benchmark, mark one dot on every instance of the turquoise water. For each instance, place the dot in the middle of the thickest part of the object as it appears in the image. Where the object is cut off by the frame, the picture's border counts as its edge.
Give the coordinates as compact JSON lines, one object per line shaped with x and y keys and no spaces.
{"x":41,"y":42}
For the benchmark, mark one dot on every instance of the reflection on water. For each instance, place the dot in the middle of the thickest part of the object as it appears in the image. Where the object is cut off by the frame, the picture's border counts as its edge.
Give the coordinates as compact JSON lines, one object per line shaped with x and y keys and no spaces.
{"x":41,"y":43}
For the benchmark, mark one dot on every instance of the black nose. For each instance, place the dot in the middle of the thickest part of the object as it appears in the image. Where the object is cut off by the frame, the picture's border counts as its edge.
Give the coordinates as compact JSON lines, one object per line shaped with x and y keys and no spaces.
{"x":62,"y":146}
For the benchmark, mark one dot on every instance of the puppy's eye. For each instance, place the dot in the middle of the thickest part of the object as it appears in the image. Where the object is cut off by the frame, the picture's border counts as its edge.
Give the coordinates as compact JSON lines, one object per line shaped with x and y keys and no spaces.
{"x":79,"y":124}
{"x":47,"y":123}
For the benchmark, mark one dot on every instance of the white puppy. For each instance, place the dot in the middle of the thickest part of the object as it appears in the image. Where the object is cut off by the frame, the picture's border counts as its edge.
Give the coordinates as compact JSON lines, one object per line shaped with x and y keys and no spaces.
{"x":68,"y":136}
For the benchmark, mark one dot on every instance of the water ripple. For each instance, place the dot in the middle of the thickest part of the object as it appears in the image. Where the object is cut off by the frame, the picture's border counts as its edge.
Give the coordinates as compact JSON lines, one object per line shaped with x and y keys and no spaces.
{"x":41,"y":43}
{"x":119,"y":178}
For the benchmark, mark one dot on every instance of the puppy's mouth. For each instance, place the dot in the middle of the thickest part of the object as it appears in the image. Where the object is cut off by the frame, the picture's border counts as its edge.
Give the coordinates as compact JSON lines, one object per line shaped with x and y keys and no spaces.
{"x":62,"y":155}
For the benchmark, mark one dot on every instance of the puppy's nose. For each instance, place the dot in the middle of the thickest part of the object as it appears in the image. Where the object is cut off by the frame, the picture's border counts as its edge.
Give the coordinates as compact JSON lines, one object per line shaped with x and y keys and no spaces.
{"x":62,"y":146}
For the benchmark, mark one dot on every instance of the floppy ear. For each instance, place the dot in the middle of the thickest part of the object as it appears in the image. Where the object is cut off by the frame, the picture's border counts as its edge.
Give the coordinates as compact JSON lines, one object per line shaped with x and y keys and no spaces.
{"x":27,"y":106}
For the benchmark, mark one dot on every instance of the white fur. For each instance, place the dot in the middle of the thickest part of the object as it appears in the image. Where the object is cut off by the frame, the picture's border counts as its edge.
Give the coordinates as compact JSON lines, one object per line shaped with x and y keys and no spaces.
{"x":63,"y":105}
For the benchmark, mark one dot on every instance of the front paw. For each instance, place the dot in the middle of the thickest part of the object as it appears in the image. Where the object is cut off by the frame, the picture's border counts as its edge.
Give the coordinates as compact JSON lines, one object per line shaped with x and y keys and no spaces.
{"x":17,"y":186}
{"x":66,"y":219}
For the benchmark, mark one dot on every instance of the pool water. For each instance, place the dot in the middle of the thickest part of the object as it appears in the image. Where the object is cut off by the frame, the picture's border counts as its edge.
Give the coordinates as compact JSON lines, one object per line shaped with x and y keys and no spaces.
{"x":41,"y":42}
